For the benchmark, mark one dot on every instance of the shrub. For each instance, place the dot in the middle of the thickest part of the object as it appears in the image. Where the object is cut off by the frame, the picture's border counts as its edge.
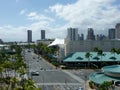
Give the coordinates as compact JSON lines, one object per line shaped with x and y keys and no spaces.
{"x":91,"y":84}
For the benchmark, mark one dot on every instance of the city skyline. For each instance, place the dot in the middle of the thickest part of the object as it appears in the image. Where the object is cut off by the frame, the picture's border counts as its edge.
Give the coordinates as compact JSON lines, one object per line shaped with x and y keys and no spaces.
{"x":18,"y":16}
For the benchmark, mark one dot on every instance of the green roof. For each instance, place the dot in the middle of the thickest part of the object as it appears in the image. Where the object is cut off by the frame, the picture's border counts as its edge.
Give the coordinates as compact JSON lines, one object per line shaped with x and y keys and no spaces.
{"x":80,"y":57}
{"x":99,"y":78}
{"x":112,"y":69}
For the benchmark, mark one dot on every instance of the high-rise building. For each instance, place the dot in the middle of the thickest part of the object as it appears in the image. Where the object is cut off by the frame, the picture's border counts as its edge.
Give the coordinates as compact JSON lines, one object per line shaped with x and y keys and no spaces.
{"x":100,"y":37}
{"x":29,"y":35}
{"x":97,"y":37}
{"x":90,"y":35}
{"x":72,"y":34}
{"x":111,"y":33}
{"x":117,"y":31}
{"x":42,"y":34}
{"x":81,"y":37}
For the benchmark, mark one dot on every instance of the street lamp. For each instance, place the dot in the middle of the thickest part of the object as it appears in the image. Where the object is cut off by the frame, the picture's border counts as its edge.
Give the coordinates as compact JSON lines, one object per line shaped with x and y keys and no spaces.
{"x":43,"y":81}
{"x":85,"y":81}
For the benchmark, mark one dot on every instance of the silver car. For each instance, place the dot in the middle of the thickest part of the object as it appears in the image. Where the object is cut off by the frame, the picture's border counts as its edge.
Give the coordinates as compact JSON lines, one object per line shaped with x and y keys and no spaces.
{"x":36,"y":73}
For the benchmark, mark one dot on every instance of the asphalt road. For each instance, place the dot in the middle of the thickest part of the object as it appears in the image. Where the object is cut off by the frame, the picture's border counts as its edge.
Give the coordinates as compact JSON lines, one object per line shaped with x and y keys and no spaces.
{"x":50,"y":78}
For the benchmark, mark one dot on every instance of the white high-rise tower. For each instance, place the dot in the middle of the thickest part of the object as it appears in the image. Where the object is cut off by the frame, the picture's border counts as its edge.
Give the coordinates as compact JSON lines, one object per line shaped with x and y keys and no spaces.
{"x":72,"y":34}
{"x":117,"y":31}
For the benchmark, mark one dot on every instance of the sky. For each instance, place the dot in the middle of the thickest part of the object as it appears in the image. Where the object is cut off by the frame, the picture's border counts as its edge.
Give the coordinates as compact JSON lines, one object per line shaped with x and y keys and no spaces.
{"x":55,"y":16}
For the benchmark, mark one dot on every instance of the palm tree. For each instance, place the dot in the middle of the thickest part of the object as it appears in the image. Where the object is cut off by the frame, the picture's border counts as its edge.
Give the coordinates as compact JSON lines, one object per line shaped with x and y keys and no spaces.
{"x":14,"y":82}
{"x":1,"y":70}
{"x":96,"y":49}
{"x":18,"y":49}
{"x":88,"y":55}
{"x":100,"y":53}
{"x":18,"y":63}
{"x":113,"y":51}
{"x":29,"y":85}
{"x":118,"y":52}
{"x":7,"y":65}
{"x":21,"y":71}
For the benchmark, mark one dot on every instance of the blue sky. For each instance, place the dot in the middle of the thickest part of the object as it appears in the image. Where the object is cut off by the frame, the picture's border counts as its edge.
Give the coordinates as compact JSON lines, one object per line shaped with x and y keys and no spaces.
{"x":55,"y":16}
{"x":10,"y":9}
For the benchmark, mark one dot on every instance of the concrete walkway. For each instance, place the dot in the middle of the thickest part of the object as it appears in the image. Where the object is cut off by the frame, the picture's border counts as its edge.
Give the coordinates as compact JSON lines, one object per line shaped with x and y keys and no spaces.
{"x":49,"y":63}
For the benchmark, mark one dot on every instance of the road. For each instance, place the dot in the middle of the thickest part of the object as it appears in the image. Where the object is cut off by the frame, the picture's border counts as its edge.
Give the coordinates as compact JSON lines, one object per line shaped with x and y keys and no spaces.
{"x":51,"y":78}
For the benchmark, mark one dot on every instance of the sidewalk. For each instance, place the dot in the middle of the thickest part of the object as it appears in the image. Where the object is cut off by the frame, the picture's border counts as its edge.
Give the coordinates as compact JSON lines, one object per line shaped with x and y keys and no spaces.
{"x":45,"y":61}
{"x":48,"y":63}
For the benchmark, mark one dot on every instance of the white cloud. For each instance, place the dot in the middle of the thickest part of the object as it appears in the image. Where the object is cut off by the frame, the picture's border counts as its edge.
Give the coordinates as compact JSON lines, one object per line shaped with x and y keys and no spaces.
{"x":41,"y":22}
{"x":22,"y":11}
{"x":99,"y":14}
{"x":12,"y":33}
{"x":38,"y":17}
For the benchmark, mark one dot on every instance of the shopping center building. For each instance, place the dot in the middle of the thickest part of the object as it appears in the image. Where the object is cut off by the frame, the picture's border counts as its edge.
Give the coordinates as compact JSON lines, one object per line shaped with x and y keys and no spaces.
{"x":107,"y":73}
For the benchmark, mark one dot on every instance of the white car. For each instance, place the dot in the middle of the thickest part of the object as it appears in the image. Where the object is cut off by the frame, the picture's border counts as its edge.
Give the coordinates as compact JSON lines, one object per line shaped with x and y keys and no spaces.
{"x":36,"y":73}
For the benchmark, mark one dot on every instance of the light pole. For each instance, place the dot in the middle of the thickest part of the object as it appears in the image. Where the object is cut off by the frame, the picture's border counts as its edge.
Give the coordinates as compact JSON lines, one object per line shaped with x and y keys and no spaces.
{"x":43,"y":81}
{"x":85,"y":82}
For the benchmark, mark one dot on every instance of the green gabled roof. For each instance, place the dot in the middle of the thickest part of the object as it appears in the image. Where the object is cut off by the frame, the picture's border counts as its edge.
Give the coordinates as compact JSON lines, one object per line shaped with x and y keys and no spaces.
{"x":74,"y":57}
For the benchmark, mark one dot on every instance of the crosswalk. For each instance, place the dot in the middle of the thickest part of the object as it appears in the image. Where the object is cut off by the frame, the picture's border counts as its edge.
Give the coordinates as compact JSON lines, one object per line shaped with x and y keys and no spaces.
{"x":31,"y":70}
{"x":49,"y":84}
{"x":73,"y":76}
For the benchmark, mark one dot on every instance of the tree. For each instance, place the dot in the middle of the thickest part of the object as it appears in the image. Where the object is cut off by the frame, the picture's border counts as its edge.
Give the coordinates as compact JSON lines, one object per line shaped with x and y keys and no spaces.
{"x":18,"y":66}
{"x":14,"y":82}
{"x":106,"y":85}
{"x":1,"y":70}
{"x":118,"y":52}
{"x":96,"y":49}
{"x":29,"y":85}
{"x":21,"y":71}
{"x":113,"y":51}
{"x":100,"y":53}
{"x":88,"y":55}
{"x":7,"y":66}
